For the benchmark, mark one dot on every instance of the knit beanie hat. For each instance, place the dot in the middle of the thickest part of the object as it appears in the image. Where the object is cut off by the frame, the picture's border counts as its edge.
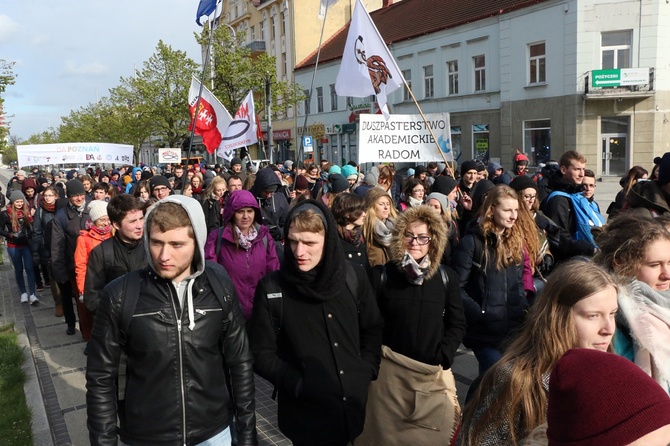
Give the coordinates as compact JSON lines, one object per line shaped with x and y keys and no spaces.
{"x":235,"y":160}
{"x":444,"y":185}
{"x":598,"y":398}
{"x":664,"y":170}
{"x":468,"y":165}
{"x":21,"y":172}
{"x":16,"y":195}
{"x":419,"y":169}
{"x":349,"y":171}
{"x":74,"y":187}
{"x":288,"y":164}
{"x":370,"y":178}
{"x":444,"y":201}
{"x":521,"y":182}
{"x":159,"y":180}
{"x":335,"y":169}
{"x":70,"y":174}
{"x":481,"y":167}
{"x":338,"y":183}
{"x":146,"y":174}
{"x":301,"y":182}
{"x":97,"y":209}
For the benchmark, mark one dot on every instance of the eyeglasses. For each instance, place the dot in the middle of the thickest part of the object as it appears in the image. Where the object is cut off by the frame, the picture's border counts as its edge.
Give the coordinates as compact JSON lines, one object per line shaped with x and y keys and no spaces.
{"x":418,"y":189}
{"x":160,"y":189}
{"x":530,"y":197}
{"x":420,"y":239}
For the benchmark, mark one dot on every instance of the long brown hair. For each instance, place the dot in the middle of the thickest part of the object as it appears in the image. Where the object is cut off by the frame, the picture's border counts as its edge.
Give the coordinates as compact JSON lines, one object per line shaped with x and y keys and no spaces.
{"x":371,"y":199}
{"x":510,"y":242}
{"x":547,"y":334}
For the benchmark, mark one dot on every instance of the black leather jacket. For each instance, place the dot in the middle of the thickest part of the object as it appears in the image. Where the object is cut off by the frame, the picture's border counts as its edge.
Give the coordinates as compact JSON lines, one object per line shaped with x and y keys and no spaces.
{"x":176,"y":391}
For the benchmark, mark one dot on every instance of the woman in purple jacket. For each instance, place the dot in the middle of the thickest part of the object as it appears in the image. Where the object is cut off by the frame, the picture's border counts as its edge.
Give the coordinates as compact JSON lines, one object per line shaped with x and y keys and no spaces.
{"x":243,"y":246}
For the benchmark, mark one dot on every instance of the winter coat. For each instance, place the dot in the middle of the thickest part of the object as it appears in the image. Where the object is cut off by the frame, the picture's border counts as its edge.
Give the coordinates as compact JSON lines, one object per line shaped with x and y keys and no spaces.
{"x":322,"y":359}
{"x":212,"y":209}
{"x":42,"y":225}
{"x":20,"y":238}
{"x":245,"y":267}
{"x":102,"y":269}
{"x":356,"y":254}
{"x":377,"y":253}
{"x":559,"y":210}
{"x":494,"y":301}
{"x":274,"y":210}
{"x":423,"y":322}
{"x":180,"y":357}
{"x":64,"y":241}
{"x":85,"y":243}
{"x":647,"y":198}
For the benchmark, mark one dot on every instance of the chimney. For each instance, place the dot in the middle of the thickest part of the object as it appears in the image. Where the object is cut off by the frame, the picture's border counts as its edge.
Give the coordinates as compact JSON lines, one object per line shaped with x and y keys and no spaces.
{"x":386,"y":3}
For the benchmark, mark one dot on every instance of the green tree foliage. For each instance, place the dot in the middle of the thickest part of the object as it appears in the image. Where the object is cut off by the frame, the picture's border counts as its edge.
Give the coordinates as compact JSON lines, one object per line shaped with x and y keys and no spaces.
{"x":7,"y":78}
{"x":156,"y":98}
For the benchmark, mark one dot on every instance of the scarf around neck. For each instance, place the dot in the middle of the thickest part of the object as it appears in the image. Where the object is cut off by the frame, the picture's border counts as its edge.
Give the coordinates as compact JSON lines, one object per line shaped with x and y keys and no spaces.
{"x":353,"y":236}
{"x":383,"y":229}
{"x":414,"y":272}
{"x":245,"y":240}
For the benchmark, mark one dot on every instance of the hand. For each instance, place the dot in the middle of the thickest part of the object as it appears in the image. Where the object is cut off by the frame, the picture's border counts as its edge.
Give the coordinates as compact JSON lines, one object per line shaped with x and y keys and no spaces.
{"x":466,"y":202}
{"x":292,"y":194}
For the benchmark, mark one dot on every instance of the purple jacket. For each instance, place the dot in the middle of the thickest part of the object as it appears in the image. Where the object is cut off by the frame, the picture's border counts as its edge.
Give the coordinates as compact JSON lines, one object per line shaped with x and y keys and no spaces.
{"x":245,"y":268}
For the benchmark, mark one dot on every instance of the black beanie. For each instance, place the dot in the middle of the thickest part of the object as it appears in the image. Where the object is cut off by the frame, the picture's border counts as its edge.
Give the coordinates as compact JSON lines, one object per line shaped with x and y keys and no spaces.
{"x":338,"y":183}
{"x":74,"y":187}
{"x":146,"y":174}
{"x":468,"y":165}
{"x":235,"y":160}
{"x":444,"y":185}
{"x":159,"y":180}
{"x":664,"y":170}
{"x":521,"y":182}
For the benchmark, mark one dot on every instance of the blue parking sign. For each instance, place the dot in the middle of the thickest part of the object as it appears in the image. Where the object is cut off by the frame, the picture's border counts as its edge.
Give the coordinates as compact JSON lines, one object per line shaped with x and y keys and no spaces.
{"x":308,"y":143}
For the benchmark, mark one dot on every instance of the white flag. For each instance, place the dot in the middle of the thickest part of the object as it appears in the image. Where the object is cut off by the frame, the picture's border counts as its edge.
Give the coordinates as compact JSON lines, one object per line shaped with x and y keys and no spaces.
{"x":324,"y":6}
{"x":242,"y":130}
{"x":211,"y":120}
{"x":367,"y":65}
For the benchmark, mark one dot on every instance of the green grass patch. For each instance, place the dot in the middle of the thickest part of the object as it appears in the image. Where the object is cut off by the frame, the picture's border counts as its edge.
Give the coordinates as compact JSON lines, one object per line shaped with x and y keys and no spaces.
{"x":14,"y":413}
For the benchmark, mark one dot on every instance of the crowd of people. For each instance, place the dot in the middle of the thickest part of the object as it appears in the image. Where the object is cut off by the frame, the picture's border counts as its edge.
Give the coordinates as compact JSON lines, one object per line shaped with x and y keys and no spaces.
{"x":351,"y":292}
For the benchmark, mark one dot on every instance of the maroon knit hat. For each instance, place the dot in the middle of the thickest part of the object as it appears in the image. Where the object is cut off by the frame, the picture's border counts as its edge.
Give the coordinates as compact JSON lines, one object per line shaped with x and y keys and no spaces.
{"x":301,"y":182}
{"x":598,"y":398}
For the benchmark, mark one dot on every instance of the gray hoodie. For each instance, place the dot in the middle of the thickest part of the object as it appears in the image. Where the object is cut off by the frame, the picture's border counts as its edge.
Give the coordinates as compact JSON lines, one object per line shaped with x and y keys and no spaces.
{"x":195,"y":213}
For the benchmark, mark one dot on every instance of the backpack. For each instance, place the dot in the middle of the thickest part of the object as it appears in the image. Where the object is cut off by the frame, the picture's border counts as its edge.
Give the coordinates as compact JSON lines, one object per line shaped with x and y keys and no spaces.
{"x":586,"y":214}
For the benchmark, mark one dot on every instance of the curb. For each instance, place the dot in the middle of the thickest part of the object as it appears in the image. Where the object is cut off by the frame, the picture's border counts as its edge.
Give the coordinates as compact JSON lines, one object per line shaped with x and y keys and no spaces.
{"x":39,"y":422}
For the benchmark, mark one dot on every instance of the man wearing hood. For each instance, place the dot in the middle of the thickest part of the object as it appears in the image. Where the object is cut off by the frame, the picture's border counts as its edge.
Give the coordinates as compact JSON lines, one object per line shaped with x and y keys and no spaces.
{"x":183,"y":340}
{"x":136,"y":178}
{"x":274,"y":206}
{"x":325,"y":348}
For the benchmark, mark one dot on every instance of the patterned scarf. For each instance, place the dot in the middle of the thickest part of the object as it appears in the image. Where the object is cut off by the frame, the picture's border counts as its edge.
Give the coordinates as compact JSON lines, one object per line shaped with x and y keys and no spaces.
{"x":383,"y":232}
{"x":245,"y":240}
{"x":414,"y":272}
{"x":353,"y":236}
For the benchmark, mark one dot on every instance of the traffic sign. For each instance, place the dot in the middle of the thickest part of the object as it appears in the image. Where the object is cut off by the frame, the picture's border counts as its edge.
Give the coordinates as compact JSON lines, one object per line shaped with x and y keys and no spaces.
{"x":307,"y":143}
{"x":619,"y":77}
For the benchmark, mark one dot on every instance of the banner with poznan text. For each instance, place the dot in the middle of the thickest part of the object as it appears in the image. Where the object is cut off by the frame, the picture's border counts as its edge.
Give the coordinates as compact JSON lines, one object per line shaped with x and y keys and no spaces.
{"x":404,"y":138}
{"x":74,"y":153}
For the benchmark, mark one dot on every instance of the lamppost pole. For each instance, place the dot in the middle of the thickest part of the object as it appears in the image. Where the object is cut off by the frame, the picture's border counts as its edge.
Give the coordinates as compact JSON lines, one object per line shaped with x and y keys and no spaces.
{"x":268,"y":113}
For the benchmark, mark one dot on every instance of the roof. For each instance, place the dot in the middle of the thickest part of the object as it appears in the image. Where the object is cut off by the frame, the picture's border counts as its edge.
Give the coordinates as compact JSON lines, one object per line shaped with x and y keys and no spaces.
{"x":408,"y":19}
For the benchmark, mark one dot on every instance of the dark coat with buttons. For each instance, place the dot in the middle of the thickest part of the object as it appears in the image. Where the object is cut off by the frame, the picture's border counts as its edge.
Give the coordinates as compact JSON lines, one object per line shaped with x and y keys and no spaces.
{"x":321,"y":359}
{"x":357,"y":255}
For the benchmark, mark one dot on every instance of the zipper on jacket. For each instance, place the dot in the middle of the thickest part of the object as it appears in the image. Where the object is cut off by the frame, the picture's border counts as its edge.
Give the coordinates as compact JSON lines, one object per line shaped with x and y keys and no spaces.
{"x":204,"y":312}
{"x":159,"y":313}
{"x":181,"y":359}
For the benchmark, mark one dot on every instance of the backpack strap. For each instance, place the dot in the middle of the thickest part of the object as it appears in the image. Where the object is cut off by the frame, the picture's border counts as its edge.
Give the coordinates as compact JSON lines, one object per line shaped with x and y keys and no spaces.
{"x":478,"y":254}
{"x":214,"y":273}
{"x":107,"y":255}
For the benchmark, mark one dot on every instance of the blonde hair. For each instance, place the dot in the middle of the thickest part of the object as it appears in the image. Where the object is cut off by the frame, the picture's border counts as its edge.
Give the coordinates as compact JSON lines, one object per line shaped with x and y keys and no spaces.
{"x":371,"y":198}
{"x":509,"y":248}
{"x":546,"y":335}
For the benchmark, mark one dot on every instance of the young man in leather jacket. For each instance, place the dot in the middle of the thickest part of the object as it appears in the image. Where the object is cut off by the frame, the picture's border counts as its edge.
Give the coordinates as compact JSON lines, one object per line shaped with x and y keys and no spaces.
{"x":182,"y":342}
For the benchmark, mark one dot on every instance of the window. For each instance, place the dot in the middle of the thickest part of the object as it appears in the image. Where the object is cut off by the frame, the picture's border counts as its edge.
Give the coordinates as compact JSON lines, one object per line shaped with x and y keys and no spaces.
{"x":284,"y":66}
{"x":333,"y":98}
{"x":456,"y":141}
{"x":253,"y":33}
{"x":283,"y":23}
{"x":350,"y":102}
{"x":616,"y":49}
{"x":479,"y":63}
{"x":262,"y":25}
{"x":272,"y":29}
{"x":537,"y":140}
{"x":319,"y":99}
{"x":480,"y":141}
{"x":407,"y":74}
{"x":428,"y":90}
{"x":452,"y":77}
{"x":537,"y":63}
{"x":307,"y":100}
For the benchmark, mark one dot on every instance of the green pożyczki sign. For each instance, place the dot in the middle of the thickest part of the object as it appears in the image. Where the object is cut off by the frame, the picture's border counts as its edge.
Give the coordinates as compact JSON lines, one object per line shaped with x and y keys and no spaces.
{"x":619,"y":77}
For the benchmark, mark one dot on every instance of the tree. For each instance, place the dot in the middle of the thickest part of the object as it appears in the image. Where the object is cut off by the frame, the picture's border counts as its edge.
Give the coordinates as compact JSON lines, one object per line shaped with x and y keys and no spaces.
{"x":236,"y":71}
{"x":7,"y":78}
{"x":156,"y":97}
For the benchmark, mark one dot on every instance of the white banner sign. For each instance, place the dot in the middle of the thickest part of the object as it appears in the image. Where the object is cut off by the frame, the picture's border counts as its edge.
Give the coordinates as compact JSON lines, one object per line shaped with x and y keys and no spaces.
{"x":169,"y":155}
{"x":404,"y":138}
{"x":74,"y":153}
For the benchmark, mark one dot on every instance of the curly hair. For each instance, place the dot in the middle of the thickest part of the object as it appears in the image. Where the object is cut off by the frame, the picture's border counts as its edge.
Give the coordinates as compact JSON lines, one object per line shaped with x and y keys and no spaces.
{"x":624,"y":241}
{"x":510,"y":246}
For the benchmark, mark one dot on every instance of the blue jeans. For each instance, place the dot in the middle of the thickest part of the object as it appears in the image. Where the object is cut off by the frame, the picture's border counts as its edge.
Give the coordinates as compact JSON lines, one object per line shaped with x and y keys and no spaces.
{"x":486,"y":356}
{"x":22,"y":259}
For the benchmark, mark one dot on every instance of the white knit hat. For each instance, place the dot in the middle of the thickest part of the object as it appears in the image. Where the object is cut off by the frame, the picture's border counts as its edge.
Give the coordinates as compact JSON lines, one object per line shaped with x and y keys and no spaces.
{"x":97,"y":209}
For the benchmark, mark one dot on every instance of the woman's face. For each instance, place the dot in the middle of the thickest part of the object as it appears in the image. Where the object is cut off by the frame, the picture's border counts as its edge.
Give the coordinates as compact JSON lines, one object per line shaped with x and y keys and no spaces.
{"x":655,"y":267}
{"x":359,"y":221}
{"x":87,"y":185}
{"x":244,"y":218}
{"x":195,"y":181}
{"x":435,"y":204}
{"x":453,"y":194}
{"x":417,"y":240}
{"x":383,"y":208}
{"x":18,"y":204}
{"x":505,"y":213}
{"x":102,"y":222}
{"x":219,"y":190}
{"x":144,"y":194}
{"x":593,"y":317}
{"x":418,"y":192}
{"x":49,"y":197}
{"x":529,"y":195}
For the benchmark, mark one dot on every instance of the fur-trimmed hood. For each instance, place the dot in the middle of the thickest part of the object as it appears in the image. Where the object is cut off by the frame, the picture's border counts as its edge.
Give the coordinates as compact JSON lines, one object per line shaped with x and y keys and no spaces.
{"x":436,"y":226}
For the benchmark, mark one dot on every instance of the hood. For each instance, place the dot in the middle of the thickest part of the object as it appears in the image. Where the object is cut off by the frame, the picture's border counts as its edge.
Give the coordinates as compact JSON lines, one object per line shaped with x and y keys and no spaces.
{"x":437,"y":228}
{"x":264,"y":179}
{"x":132,"y":175}
{"x":197,"y":217}
{"x":646,"y":194}
{"x":559,"y":183}
{"x":28,"y":182}
{"x":238,"y":200}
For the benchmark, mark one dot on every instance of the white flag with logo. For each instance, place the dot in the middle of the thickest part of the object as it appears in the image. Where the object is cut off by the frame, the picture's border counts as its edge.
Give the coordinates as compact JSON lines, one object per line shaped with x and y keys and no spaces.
{"x":367,"y":65}
{"x":242,"y":130}
{"x":324,"y":6}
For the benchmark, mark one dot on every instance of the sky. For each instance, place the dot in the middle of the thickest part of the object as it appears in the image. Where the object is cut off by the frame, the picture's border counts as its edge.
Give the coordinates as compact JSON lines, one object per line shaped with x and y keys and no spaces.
{"x":69,"y":53}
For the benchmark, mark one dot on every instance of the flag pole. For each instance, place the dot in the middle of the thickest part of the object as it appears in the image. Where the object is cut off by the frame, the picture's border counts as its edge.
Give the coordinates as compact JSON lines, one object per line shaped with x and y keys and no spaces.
{"x":202,"y":81}
{"x":301,"y":149}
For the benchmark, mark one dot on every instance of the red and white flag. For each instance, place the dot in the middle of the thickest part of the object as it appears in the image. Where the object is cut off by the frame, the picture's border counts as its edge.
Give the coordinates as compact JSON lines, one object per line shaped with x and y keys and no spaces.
{"x":367,"y":64}
{"x":324,"y":6}
{"x":242,"y":130}
{"x":211,"y":119}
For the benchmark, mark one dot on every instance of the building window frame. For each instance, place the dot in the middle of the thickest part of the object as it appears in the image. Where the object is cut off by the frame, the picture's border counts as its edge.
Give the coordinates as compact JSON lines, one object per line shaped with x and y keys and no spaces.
{"x":428,"y":82}
{"x":537,"y":139}
{"x":406,"y":95}
{"x":479,"y":71}
{"x":616,"y":49}
{"x":537,"y":63}
{"x":452,"y":77}
{"x":319,"y":99}
{"x":333,"y":98}
{"x":306,"y":103}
